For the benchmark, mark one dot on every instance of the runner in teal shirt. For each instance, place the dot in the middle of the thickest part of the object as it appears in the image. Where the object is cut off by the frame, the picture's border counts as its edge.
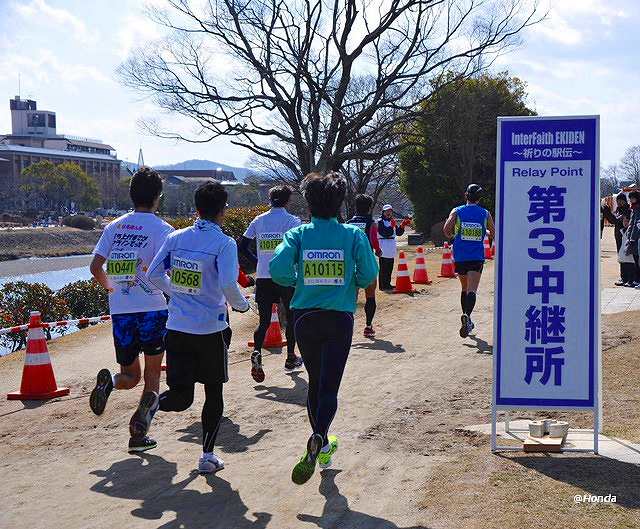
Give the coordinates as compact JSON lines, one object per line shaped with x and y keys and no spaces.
{"x":326,"y":261}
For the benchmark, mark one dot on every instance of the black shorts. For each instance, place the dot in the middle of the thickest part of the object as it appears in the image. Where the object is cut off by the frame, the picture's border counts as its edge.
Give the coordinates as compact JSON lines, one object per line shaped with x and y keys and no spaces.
{"x":463,"y":267}
{"x":267,"y":291}
{"x":195,"y":358}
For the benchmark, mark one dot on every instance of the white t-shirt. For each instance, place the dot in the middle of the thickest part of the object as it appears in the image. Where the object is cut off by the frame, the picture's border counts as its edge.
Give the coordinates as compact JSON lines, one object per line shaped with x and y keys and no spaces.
{"x":268,"y":230}
{"x":129,"y":244}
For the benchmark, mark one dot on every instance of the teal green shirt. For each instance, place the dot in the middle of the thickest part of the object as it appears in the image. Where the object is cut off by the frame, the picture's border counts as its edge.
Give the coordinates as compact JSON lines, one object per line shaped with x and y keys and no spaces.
{"x":326,"y":262}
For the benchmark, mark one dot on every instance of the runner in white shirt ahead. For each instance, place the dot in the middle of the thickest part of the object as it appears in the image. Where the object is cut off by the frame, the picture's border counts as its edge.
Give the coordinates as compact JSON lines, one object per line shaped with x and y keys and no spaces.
{"x":268,"y":230}
{"x":138,"y":309}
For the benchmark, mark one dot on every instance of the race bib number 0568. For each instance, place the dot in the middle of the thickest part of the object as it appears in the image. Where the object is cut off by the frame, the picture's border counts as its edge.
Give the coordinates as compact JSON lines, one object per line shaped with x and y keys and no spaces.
{"x":268,"y":242}
{"x":471,"y":231}
{"x":323,"y":267}
{"x":121,"y":266}
{"x":186,"y":276}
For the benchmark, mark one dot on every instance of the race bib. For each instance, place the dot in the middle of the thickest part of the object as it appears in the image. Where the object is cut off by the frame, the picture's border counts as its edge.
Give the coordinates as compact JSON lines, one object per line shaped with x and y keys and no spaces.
{"x":122,"y":266}
{"x":471,"y":231}
{"x":323,"y":267}
{"x":361,"y":225}
{"x":186,"y":276}
{"x":267,"y":242}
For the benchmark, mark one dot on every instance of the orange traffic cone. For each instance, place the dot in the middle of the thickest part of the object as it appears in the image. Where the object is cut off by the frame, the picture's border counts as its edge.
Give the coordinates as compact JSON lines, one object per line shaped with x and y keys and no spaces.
{"x":488,"y":254}
{"x":403,"y":281}
{"x":38,"y":380}
{"x":273,"y":338}
{"x":420,"y":274}
{"x":447,"y":269}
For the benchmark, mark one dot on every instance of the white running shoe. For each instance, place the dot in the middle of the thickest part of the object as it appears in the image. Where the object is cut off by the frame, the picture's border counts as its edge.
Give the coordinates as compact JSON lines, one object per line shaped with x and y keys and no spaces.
{"x":209,"y":464}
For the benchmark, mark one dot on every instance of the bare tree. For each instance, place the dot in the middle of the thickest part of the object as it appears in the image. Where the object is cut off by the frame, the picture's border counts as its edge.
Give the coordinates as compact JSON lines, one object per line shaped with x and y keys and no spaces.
{"x":314,"y":84}
{"x":609,"y":180}
{"x":630,"y":165}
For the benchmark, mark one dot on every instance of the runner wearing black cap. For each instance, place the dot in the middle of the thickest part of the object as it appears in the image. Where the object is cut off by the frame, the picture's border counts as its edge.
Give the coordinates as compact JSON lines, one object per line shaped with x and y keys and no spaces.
{"x":468,"y":225}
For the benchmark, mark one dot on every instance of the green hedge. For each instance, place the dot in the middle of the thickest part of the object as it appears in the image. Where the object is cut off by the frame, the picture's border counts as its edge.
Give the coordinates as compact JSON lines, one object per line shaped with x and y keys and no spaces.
{"x":81,"y":222}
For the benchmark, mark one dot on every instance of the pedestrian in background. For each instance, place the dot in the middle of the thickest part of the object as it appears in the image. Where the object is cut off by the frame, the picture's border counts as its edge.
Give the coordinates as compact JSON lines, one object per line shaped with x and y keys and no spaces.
{"x":633,"y":234}
{"x":388,"y":230}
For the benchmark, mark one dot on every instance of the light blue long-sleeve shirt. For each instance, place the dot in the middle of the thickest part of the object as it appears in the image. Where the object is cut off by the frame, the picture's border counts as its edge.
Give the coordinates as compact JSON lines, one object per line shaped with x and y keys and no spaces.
{"x":326,"y":262}
{"x":203,"y":266}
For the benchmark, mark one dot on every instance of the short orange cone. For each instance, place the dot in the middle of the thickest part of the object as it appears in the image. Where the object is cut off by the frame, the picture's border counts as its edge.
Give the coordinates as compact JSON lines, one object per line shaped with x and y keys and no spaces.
{"x":420,"y":274}
{"x":447,"y":269}
{"x":488,"y":254}
{"x":38,"y":380}
{"x":273,"y":338}
{"x":403,"y":281}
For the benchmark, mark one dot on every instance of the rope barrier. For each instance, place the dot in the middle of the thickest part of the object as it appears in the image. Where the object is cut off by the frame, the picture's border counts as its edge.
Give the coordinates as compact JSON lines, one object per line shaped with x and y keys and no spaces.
{"x":53,"y":324}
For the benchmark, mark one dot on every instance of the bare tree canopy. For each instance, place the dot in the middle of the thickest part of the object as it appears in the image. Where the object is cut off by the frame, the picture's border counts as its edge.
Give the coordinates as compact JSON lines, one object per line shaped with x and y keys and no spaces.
{"x":629,"y":167}
{"x":314,"y":84}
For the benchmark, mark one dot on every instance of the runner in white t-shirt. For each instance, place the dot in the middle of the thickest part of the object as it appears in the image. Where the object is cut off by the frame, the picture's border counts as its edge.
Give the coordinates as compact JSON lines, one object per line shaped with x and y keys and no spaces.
{"x":268,"y":230}
{"x":138,"y":309}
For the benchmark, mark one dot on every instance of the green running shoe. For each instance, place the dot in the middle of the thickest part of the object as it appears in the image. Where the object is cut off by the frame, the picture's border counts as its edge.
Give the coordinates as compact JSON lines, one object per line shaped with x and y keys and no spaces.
{"x":305,"y":468}
{"x":324,"y":458}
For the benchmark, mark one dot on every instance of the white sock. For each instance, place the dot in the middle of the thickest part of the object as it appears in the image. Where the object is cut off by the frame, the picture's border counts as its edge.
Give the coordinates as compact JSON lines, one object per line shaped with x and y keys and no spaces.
{"x":207,"y":455}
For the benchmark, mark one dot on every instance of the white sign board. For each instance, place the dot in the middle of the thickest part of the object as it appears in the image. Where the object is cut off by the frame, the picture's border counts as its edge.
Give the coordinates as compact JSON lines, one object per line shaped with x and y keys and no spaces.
{"x":547,"y":303}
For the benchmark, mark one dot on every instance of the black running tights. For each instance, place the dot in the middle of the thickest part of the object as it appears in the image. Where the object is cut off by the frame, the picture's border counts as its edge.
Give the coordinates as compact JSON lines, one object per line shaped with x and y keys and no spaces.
{"x":324,"y":340}
{"x":179,"y":398}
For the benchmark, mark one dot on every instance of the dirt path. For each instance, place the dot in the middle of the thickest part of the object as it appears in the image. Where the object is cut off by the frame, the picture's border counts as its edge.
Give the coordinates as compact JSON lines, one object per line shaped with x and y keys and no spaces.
{"x":402,"y":399}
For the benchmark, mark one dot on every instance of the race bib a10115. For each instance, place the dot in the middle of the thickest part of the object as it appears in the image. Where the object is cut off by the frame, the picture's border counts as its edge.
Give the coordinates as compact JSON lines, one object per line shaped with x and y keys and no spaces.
{"x":471,"y":231}
{"x":323,"y":267}
{"x":268,"y":242}
{"x":122,"y":266}
{"x":186,"y":276}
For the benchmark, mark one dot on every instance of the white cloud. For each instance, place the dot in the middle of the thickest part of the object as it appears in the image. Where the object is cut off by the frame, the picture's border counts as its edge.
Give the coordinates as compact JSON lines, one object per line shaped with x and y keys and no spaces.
{"x":55,"y":16}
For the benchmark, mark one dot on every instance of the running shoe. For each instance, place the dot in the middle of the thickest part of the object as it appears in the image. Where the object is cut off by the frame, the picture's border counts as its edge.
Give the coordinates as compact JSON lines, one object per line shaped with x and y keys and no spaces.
{"x":210,"y":463}
{"x":141,"y":419}
{"x":620,"y":283}
{"x":471,"y":326}
{"x":305,"y":468}
{"x":141,"y":444}
{"x":293,"y":363}
{"x":369,"y":332}
{"x":324,"y":458}
{"x":100,"y":394}
{"x":256,"y":367}
{"x":464,"y":326}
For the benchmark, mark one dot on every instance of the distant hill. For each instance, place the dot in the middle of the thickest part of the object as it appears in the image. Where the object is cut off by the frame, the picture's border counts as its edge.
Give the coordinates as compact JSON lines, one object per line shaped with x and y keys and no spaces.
{"x":240,"y":172}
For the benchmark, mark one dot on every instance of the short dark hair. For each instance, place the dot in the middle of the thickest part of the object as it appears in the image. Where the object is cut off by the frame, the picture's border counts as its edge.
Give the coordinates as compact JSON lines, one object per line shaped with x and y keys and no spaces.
{"x":635,"y":195}
{"x":279,"y":196}
{"x":364,"y":203}
{"x":621,"y":196}
{"x":145,"y":187}
{"x":324,"y":193}
{"x":211,"y":199}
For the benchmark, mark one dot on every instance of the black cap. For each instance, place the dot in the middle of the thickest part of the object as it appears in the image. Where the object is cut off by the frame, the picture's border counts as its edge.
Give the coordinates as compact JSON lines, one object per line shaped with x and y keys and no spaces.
{"x":474,"y":190}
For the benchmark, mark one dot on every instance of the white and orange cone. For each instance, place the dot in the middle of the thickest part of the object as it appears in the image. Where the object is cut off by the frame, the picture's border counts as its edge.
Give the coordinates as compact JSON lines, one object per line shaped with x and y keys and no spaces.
{"x":420,"y":275}
{"x":403,"y":281}
{"x":38,"y":380}
{"x":273,"y":338}
{"x":488,"y":254}
{"x":447,"y":269}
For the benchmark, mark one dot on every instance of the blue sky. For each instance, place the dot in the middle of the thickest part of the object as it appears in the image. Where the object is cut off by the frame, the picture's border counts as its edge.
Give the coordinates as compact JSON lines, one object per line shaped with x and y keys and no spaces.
{"x":583,"y":59}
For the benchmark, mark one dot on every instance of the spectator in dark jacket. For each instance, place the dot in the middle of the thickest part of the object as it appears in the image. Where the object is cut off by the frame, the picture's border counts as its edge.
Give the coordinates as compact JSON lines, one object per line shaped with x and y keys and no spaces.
{"x":633,"y":233}
{"x":620,"y":220}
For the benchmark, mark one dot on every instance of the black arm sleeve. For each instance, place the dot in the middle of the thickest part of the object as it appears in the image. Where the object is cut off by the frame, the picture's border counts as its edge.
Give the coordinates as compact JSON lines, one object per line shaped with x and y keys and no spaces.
{"x":399,"y":230}
{"x":244,"y":247}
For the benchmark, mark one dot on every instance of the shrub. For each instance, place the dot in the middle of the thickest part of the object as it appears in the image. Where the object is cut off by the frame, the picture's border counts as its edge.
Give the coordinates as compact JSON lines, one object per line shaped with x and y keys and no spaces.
{"x":81,"y":222}
{"x":18,"y":299}
{"x":236,"y":220}
{"x":84,"y":299}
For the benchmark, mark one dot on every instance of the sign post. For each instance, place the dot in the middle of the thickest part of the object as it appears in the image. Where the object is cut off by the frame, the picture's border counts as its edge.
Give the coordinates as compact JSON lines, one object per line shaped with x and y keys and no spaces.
{"x":547,"y":274}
